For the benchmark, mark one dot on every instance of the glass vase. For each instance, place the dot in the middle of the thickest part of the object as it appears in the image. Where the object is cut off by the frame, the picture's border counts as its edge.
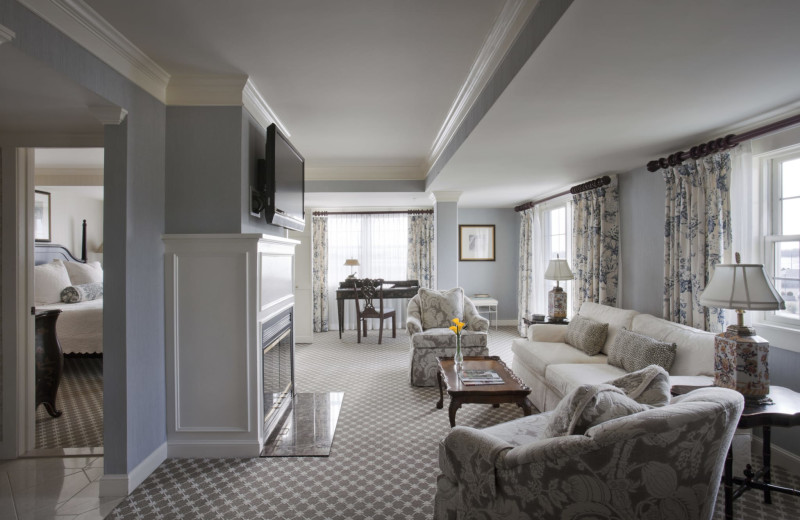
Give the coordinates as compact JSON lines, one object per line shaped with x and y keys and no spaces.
{"x":458,"y":359}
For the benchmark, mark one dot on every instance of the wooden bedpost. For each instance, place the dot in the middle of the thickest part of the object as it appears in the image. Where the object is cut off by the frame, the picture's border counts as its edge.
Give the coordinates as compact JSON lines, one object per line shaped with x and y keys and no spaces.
{"x":83,"y":242}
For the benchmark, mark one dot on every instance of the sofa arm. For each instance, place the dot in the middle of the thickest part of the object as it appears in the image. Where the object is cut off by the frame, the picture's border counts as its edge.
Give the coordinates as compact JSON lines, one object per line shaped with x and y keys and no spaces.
{"x":547,"y":332}
{"x":413,"y":325}
{"x":469,"y":457}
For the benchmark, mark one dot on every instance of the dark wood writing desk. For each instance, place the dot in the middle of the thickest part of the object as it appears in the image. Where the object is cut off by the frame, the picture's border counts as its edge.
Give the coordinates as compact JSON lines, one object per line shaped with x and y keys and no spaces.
{"x":391,"y":290}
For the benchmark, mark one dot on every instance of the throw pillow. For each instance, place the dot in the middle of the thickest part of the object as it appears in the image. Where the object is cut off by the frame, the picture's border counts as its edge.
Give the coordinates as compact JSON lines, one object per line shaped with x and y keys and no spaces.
{"x":590,"y":405}
{"x":438,"y":308}
{"x":80,"y":273}
{"x":82,"y":293}
{"x":48,"y":282}
{"x":648,"y":386}
{"x":586,"y":334}
{"x":632,"y":351}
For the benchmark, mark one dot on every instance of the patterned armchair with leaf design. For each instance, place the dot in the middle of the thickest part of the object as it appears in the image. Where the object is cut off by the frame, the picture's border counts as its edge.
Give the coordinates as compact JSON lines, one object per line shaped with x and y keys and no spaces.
{"x":429,"y":316}
{"x":664,"y":462}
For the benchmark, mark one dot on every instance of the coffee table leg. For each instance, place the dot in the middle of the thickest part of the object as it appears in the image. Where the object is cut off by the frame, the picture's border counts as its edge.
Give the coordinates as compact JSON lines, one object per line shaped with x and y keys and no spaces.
{"x":455,"y":404}
{"x":440,"y":404}
{"x":526,"y":407}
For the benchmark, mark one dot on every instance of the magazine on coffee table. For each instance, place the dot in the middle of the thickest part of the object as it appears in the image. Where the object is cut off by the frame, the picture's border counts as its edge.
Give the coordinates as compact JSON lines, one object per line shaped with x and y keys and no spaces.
{"x":480,"y":377}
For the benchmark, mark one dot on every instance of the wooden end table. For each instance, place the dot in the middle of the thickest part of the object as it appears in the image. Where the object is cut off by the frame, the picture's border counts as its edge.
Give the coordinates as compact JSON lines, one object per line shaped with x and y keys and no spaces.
{"x":784,"y":410}
{"x":513,"y":390}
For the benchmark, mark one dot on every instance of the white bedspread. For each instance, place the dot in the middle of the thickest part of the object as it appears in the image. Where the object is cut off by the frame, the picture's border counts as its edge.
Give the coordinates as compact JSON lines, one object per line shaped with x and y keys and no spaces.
{"x":79,"y":326}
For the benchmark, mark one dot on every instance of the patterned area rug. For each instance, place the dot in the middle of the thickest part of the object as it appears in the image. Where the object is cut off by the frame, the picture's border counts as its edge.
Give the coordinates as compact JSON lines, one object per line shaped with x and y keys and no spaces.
{"x":383,"y":464}
{"x":80,"y":398}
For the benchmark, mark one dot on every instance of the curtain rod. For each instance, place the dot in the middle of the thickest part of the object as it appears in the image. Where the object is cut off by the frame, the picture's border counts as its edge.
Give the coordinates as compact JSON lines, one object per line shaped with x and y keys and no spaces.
{"x":719,"y":144}
{"x":578,"y":188}
{"x":407,"y":211}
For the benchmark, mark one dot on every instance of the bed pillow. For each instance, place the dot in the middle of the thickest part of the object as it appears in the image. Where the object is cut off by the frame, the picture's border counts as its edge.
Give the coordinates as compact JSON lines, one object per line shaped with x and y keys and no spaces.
{"x":80,"y":273}
{"x":438,"y":308}
{"x":632,"y":351}
{"x":586,"y":334}
{"x":48,"y":282}
{"x":82,"y":293}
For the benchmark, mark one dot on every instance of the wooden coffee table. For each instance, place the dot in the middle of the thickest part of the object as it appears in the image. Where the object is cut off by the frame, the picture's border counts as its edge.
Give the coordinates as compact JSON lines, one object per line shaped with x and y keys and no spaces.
{"x":513,"y":390}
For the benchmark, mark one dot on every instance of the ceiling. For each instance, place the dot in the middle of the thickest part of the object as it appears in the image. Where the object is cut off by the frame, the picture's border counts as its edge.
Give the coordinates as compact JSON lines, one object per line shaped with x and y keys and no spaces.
{"x":368,"y":85}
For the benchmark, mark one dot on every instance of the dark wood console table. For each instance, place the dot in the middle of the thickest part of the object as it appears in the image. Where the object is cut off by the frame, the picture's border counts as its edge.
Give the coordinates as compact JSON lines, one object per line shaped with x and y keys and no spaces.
{"x":391,"y":290}
{"x":49,"y":361}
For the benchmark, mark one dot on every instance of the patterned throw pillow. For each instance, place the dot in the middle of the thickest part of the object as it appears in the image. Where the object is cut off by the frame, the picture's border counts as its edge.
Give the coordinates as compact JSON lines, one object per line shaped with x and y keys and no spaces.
{"x":632,"y":351}
{"x":82,"y":293}
{"x":586,"y":334}
{"x":439,"y":307}
{"x":649,"y":385}
{"x":590,"y":405}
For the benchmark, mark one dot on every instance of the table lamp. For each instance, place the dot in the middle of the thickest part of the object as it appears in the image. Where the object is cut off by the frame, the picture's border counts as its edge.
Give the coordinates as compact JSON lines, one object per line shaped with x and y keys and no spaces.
{"x":557,"y":270}
{"x":352,"y":262}
{"x":740,"y":357}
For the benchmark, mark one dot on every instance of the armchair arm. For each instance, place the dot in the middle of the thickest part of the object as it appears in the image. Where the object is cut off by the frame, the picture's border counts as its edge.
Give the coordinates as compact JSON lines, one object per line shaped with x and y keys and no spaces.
{"x":469,"y":456}
{"x":413,"y":325}
{"x":472,"y":317}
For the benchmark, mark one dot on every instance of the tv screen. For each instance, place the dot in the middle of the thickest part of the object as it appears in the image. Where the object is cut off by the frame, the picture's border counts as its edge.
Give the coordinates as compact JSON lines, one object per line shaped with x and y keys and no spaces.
{"x":285,"y":177}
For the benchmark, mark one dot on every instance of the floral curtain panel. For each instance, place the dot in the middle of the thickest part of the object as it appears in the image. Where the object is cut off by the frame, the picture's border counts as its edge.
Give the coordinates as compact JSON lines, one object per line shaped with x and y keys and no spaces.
{"x":421,"y":250}
{"x":595,"y":245}
{"x":697,"y":236}
{"x":319,"y":272}
{"x":525,"y":281}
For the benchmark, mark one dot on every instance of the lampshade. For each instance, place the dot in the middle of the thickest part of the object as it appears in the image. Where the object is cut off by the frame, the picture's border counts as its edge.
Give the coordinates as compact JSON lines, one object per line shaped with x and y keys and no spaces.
{"x":741,"y":286}
{"x":351,"y":262}
{"x":99,"y":249}
{"x":558,"y":269}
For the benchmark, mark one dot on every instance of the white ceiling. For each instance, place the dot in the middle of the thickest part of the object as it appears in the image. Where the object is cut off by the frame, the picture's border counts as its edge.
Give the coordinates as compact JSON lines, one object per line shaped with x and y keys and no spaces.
{"x":368,"y":83}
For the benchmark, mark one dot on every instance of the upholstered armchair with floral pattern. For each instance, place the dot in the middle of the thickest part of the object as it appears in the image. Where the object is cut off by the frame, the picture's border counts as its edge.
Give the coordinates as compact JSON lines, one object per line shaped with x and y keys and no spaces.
{"x":429,"y":318}
{"x":664,"y":462}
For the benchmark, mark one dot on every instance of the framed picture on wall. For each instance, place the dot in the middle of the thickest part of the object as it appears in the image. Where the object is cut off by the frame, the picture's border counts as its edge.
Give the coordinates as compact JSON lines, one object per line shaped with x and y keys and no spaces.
{"x":41,"y":216}
{"x":476,"y":243}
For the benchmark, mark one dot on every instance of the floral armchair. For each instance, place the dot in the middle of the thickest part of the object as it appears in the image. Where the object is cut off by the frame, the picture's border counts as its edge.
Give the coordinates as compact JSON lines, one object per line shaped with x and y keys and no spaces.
{"x":665,"y":462}
{"x":429,"y":318}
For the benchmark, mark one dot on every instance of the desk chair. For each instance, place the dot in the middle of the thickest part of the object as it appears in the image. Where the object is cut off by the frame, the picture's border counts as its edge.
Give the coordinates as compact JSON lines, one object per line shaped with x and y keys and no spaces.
{"x":370,"y":290}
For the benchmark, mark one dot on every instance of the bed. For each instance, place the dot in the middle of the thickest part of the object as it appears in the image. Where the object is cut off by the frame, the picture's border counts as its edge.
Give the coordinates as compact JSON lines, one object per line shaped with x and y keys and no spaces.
{"x":80,"y":325}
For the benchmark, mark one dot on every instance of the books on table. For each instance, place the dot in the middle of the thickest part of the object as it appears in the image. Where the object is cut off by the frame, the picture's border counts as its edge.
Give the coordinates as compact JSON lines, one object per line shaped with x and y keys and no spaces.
{"x":471,"y":377}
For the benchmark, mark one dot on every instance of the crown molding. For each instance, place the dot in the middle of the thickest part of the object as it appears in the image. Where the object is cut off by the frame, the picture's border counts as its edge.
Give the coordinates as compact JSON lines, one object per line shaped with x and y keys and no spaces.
{"x":504,"y":32}
{"x":109,"y":114}
{"x":6,"y":34}
{"x":445,"y":196}
{"x":364,"y":173}
{"x":254,"y":102}
{"x":206,"y":90}
{"x":91,"y":31}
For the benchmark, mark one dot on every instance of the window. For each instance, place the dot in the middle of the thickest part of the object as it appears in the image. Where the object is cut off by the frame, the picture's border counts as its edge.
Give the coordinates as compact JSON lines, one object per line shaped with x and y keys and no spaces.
{"x":783,"y":245}
{"x":552,"y":236}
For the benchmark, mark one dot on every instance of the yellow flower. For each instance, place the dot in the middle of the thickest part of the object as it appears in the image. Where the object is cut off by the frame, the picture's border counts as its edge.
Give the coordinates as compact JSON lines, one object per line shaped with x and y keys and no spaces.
{"x":453,"y":328}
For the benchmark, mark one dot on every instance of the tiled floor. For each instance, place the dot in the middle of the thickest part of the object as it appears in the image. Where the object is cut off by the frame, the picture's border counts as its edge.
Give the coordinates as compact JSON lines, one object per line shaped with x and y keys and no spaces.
{"x":53,"y":488}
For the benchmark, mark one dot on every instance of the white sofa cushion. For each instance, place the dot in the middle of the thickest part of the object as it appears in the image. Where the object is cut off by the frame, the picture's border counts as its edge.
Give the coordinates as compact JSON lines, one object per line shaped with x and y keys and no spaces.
{"x":616,"y":319}
{"x":538,"y":355}
{"x":695,"y":353}
{"x":547,"y":332}
{"x":564,"y":378}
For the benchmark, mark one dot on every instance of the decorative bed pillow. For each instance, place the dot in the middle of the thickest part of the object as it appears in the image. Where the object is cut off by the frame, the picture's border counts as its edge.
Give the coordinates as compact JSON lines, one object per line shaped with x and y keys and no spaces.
{"x":590,"y":405}
{"x":438,"y":308}
{"x":48,"y":282}
{"x":632,"y":351}
{"x":649,"y":385}
{"x":82,"y":293}
{"x":80,"y":273}
{"x":586,"y":334}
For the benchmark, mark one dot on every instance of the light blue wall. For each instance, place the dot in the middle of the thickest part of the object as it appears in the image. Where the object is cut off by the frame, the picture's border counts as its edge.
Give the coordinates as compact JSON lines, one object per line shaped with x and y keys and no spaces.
{"x":498,"y":278}
{"x":642,"y":199}
{"x":446,"y":216}
{"x":134,"y":222}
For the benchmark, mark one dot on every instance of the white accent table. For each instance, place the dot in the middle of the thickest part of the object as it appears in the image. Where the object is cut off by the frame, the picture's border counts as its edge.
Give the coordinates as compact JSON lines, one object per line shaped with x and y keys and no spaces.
{"x":490,"y":304}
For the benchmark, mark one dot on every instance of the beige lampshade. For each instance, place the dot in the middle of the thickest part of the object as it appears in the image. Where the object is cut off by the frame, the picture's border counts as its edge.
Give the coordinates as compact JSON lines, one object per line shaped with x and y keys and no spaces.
{"x":99,"y":249}
{"x":351,"y":262}
{"x":558,"y":269}
{"x":741,"y":286}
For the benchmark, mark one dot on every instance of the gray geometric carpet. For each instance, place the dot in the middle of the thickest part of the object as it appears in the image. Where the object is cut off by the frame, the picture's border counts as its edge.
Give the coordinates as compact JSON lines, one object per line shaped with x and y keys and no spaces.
{"x":80,"y":398}
{"x":383,"y":463}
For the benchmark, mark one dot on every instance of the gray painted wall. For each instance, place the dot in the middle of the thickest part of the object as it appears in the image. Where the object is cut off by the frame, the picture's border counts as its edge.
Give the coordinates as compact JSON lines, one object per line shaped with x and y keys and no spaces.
{"x":498,"y":278}
{"x":446,"y":216}
{"x":642,"y":251}
{"x":134,"y":222}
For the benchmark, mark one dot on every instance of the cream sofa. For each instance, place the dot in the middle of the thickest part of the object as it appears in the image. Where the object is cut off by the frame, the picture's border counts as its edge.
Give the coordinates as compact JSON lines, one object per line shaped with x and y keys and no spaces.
{"x":552,"y":368}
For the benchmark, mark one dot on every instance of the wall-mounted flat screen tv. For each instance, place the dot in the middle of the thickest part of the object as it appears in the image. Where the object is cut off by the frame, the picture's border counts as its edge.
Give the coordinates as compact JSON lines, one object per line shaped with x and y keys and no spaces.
{"x":280,"y":183}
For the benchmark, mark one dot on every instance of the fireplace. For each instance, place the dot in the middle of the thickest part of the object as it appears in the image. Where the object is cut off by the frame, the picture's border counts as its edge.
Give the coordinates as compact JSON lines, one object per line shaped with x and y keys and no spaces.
{"x":277,"y":349}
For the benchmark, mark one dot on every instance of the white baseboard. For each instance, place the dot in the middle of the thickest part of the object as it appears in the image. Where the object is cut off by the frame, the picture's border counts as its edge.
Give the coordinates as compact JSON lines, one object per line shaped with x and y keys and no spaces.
{"x":780,"y":457}
{"x":213,"y":449}
{"x":122,"y":485}
{"x":304,"y":339}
